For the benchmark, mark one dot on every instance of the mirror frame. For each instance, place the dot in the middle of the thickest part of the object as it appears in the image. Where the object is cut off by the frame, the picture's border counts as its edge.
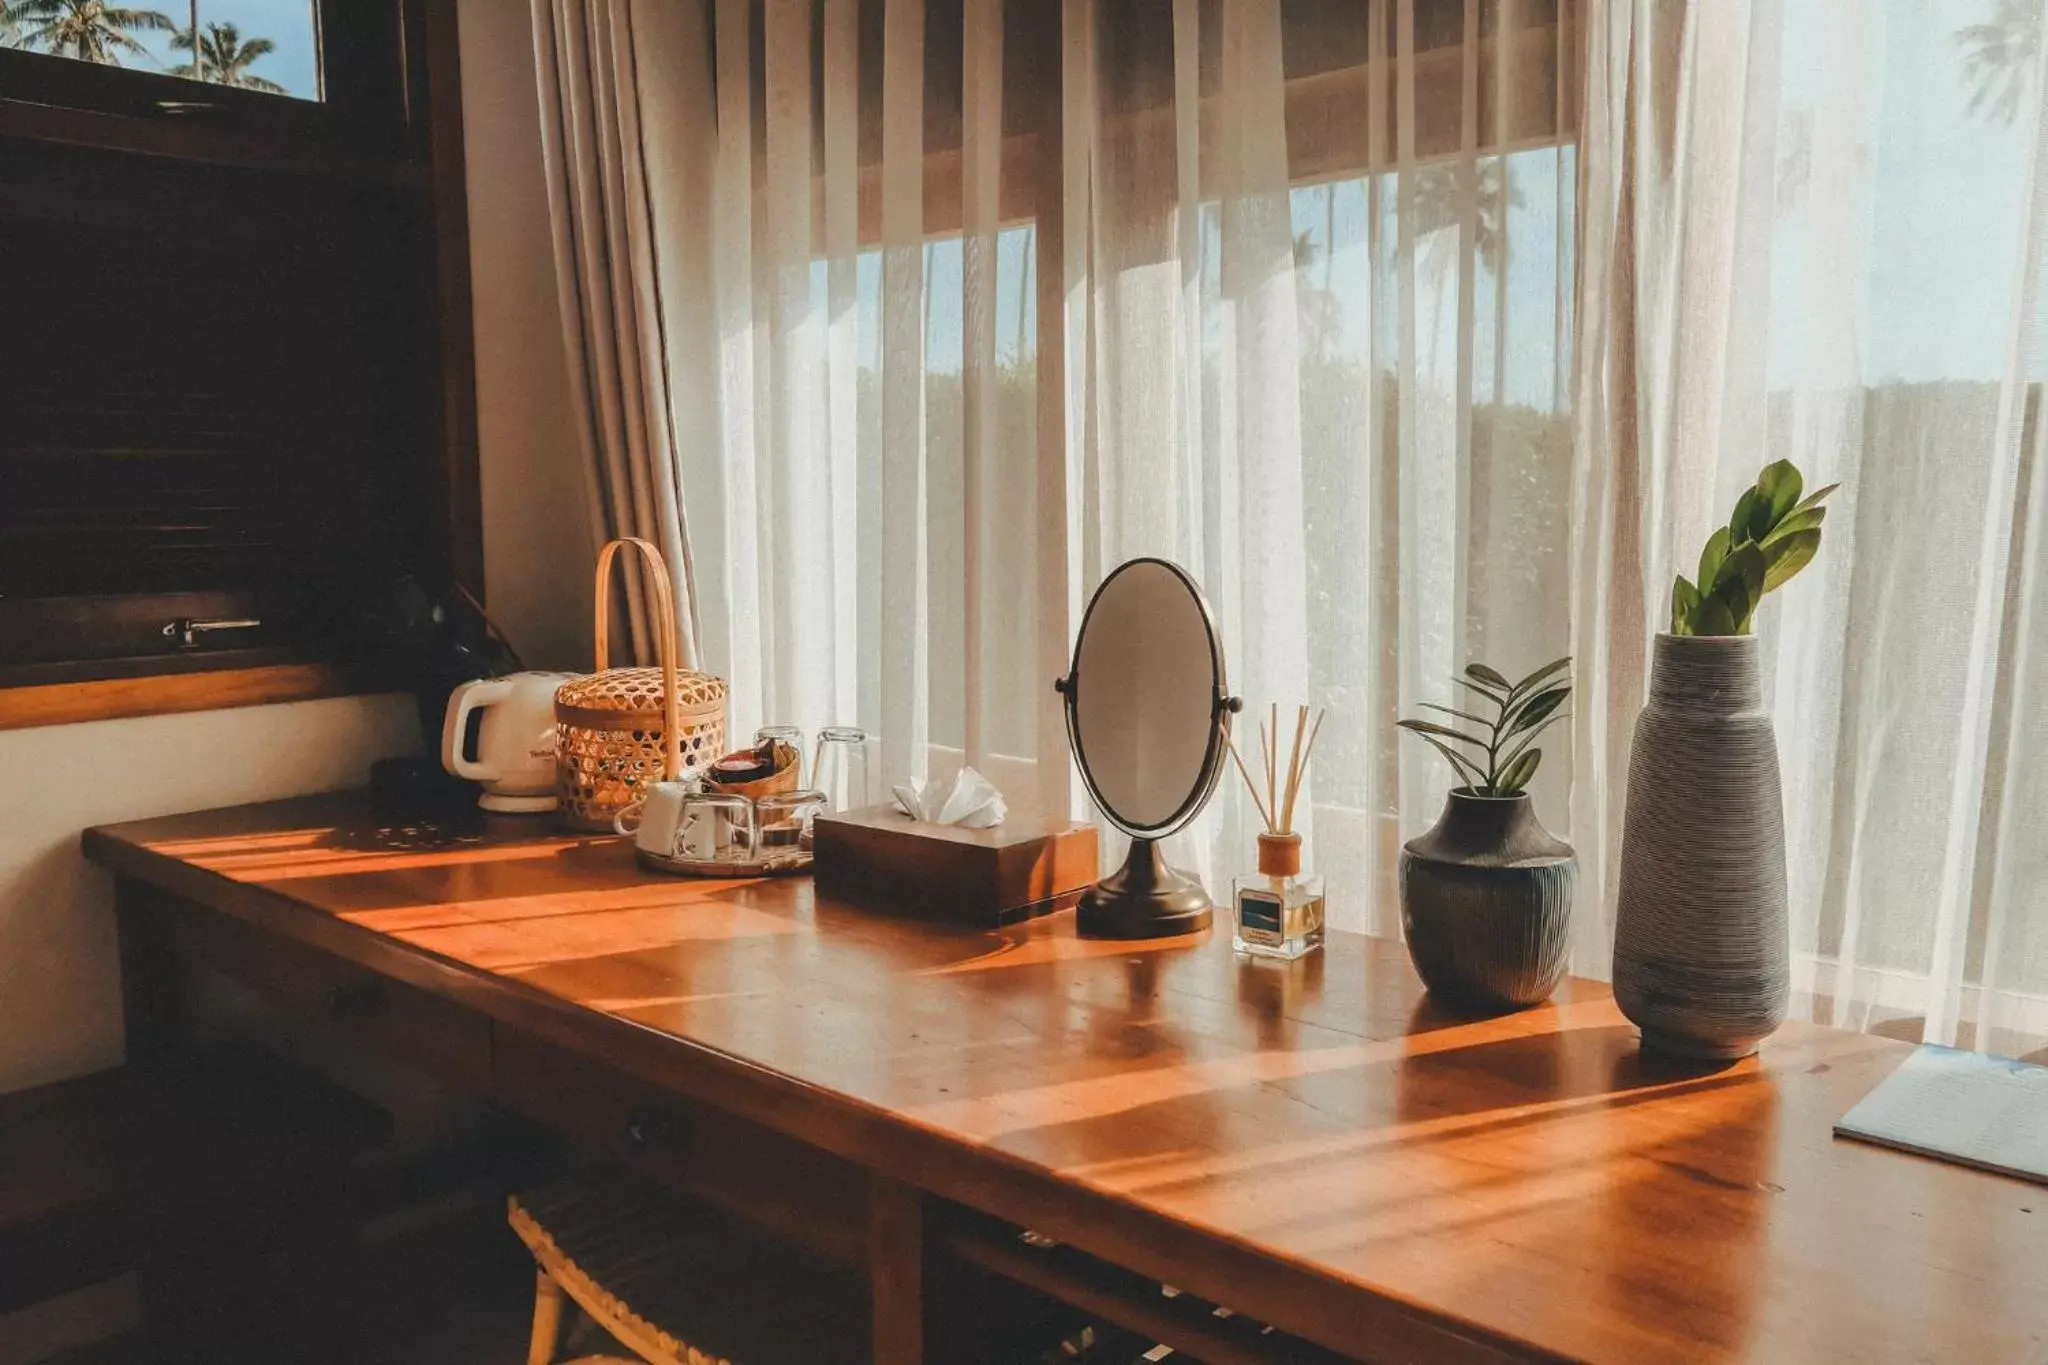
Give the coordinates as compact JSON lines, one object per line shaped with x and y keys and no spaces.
{"x":1222,"y":706}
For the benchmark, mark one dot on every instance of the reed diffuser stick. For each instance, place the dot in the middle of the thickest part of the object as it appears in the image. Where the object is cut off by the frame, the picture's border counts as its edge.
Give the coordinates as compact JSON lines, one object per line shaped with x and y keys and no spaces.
{"x":1293,"y":769}
{"x":1300,"y":769}
{"x":1276,"y":804}
{"x":1253,"y":786}
{"x":1272,"y":760}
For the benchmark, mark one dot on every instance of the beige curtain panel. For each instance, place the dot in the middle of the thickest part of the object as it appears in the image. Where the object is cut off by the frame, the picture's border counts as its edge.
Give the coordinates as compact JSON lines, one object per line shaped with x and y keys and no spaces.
{"x":599,"y":128}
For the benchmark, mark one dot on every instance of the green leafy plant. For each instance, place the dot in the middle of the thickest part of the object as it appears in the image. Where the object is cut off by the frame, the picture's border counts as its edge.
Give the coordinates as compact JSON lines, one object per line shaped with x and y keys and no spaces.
{"x":1500,"y":761}
{"x":1773,"y":534}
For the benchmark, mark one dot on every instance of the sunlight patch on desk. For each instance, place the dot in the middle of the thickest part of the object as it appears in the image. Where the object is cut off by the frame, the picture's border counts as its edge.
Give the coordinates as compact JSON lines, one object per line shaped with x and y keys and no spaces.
{"x":1046,"y":948}
{"x":991,"y":1116}
{"x":448,"y":914}
{"x":515,"y":946}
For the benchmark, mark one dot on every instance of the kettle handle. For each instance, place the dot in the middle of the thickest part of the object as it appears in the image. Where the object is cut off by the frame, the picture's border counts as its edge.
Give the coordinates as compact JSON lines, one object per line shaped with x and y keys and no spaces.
{"x":467,"y":698}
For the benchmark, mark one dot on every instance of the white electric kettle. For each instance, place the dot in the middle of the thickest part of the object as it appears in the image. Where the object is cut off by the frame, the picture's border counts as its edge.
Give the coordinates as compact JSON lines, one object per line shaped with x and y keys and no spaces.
{"x":514,"y":753}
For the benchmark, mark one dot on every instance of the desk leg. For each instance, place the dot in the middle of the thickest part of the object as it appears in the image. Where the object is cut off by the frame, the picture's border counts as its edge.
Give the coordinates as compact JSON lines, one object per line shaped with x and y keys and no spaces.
{"x":896,"y":1271}
{"x":152,"y":992}
{"x":153,"y":1029}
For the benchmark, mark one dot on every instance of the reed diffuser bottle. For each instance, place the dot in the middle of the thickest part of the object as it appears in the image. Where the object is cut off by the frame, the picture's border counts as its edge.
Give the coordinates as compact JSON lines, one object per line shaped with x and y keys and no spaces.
{"x":1279,"y":911}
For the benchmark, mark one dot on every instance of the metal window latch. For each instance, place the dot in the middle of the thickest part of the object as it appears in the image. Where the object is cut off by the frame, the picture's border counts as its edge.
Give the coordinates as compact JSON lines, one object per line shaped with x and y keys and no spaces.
{"x":185,"y":632}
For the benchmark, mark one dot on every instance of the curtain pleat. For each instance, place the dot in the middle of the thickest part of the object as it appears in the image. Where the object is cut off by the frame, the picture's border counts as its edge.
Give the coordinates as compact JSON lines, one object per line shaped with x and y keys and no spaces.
{"x":608,"y":276}
{"x":1772,"y":267}
{"x":981,"y":174}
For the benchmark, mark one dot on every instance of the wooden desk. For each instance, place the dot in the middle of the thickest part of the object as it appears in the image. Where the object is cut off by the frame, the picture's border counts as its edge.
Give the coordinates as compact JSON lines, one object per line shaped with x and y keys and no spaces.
{"x":1313,"y":1144}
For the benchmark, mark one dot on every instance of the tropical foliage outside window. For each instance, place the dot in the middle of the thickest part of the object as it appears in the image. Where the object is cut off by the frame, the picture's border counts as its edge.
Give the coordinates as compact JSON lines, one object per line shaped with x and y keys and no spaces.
{"x":267,"y":45}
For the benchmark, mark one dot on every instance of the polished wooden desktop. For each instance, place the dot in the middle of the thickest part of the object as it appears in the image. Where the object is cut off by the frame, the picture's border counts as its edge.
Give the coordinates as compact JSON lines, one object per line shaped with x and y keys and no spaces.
{"x":1315,"y":1144}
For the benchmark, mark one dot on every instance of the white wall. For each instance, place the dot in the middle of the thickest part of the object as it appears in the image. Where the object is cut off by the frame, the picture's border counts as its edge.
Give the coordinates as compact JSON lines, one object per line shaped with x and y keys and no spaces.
{"x":60,"y":1002}
{"x":538,"y":552}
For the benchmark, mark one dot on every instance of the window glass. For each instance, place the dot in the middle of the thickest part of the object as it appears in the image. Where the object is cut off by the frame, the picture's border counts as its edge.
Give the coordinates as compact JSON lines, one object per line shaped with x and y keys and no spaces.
{"x":271,"y":46}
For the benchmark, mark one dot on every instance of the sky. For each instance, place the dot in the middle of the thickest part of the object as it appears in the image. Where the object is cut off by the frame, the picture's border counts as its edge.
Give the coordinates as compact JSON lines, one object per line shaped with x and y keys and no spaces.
{"x":288,"y":23}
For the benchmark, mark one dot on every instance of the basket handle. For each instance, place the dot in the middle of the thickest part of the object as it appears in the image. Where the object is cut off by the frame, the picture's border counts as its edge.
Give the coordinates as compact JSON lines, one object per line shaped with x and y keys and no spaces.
{"x":665,"y":634}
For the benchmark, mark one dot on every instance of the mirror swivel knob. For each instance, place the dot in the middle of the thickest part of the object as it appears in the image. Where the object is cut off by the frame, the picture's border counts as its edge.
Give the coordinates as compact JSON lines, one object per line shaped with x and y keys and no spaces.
{"x":1059,"y":685}
{"x":1233,"y":704}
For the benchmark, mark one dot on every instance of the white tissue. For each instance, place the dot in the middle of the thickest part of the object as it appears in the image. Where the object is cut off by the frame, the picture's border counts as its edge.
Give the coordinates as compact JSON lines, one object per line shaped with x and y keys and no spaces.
{"x":972,"y":802}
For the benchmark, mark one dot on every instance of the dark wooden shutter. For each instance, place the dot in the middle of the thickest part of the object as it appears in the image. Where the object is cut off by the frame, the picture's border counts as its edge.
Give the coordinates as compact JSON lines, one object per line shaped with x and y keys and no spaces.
{"x":214,"y":397}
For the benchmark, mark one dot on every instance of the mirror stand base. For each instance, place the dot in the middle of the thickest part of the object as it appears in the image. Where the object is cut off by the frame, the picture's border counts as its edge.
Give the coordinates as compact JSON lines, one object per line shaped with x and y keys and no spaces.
{"x":1145,"y":898}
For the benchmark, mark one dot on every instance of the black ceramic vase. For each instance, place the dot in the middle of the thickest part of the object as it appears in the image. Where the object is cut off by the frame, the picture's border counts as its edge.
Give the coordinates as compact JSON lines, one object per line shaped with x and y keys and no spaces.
{"x":1486,"y":902}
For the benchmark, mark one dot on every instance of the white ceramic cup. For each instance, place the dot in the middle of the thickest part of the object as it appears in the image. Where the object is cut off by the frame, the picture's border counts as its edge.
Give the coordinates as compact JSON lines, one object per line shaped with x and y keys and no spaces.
{"x":652,"y":820}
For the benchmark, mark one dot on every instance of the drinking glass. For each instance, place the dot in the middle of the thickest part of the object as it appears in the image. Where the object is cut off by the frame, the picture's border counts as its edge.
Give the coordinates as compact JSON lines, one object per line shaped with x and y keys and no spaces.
{"x":784,"y":820}
{"x":839,"y":767}
{"x":715,"y":826}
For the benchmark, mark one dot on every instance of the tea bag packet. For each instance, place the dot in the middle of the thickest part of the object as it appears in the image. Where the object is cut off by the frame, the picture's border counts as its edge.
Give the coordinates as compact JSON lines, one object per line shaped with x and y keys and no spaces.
{"x":971,"y":801}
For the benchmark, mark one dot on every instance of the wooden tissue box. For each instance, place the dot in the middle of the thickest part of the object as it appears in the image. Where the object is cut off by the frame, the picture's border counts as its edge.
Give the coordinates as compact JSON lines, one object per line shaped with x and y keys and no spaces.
{"x":881,"y":859}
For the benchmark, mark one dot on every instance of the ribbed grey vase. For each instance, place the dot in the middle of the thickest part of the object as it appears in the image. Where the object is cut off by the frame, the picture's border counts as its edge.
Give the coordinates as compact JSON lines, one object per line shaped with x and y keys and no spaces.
{"x":1702,"y":955}
{"x":1486,"y":902}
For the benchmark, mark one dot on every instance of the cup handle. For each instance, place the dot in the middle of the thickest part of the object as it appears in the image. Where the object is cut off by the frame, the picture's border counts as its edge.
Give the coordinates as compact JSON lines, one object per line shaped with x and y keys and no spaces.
{"x":627,"y":821}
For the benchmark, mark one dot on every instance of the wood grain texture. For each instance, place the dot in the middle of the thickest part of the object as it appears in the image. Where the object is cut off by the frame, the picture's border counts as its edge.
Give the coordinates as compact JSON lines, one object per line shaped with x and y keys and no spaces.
{"x":166,"y":694}
{"x":1315,"y":1143}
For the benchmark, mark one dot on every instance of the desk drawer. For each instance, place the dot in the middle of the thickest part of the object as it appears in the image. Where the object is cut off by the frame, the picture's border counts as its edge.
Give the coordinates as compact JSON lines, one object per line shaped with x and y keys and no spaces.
{"x":413,"y":1027}
{"x":794,"y":1190}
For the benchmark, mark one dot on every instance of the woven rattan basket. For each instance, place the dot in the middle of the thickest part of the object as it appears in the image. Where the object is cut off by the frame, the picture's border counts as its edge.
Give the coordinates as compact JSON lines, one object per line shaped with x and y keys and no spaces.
{"x":620,"y":730}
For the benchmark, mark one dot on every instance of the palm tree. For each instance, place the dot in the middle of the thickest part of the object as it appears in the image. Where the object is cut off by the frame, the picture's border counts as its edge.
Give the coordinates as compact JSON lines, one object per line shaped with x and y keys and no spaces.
{"x":1999,"y":56}
{"x":225,"y":59}
{"x":1319,"y":314}
{"x":89,"y":30}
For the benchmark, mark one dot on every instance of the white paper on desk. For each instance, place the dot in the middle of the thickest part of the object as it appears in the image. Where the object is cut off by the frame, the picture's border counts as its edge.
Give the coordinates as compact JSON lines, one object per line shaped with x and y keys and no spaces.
{"x":1966,"y":1107}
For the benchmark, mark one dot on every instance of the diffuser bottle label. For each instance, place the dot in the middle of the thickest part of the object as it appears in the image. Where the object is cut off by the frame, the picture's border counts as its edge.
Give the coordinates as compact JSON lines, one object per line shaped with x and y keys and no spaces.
{"x":1260,"y":913}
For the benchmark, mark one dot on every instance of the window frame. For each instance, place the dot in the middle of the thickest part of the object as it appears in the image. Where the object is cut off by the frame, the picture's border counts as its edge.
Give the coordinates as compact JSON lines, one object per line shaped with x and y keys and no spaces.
{"x":392,"y":118}
{"x":362,"y":51}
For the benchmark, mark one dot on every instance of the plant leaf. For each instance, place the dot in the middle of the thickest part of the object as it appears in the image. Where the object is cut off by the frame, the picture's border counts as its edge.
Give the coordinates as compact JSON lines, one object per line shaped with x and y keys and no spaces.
{"x":1787,"y":555}
{"x":1815,"y":498}
{"x":1519,"y":772}
{"x":1745,"y":512}
{"x":1530,"y":738}
{"x":1467,"y":772}
{"x":1796,"y":521}
{"x":1484,"y":692}
{"x":1685,"y":600}
{"x":1780,"y":486}
{"x":1523,"y":687}
{"x":1451,"y":711}
{"x":1540,"y":705}
{"x":1430,"y":727}
{"x":1710,"y":558}
{"x":1481,"y":673}
{"x":1741,"y":584}
{"x":1712,"y":618}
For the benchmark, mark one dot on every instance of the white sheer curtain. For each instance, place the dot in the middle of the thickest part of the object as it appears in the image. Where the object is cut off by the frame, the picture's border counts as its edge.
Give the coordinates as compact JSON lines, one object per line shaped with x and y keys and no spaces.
{"x":1347,"y":307}
{"x":1813,"y":230}
{"x":1318,"y":267}
{"x":863,"y":479}
{"x":1001,"y":293}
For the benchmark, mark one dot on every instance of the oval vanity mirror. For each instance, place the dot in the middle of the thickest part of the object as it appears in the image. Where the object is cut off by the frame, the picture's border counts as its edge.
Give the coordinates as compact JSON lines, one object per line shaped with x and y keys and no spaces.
{"x":1148,"y":713}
